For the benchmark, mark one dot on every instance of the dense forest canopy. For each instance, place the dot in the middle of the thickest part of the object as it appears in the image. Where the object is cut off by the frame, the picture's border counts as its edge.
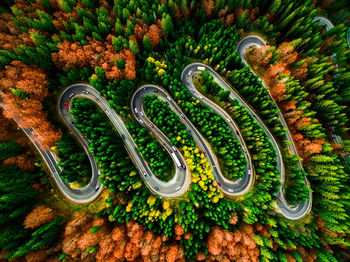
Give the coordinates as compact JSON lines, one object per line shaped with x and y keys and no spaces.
{"x":297,"y":83}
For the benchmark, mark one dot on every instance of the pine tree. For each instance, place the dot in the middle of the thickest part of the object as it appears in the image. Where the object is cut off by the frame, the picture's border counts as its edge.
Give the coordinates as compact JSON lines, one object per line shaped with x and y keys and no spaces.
{"x":167,"y":25}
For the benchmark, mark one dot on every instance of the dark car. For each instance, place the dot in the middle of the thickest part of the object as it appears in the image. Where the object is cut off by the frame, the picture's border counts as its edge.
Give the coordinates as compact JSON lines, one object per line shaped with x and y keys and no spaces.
{"x":156,"y":188}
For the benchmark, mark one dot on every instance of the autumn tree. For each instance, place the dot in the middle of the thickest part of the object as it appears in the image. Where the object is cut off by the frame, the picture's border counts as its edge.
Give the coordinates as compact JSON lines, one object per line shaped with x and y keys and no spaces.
{"x":28,"y":110}
{"x":38,"y":217}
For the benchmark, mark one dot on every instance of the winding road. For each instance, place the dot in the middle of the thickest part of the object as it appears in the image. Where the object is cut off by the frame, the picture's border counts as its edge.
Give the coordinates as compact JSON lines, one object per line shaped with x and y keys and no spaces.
{"x":177,"y":186}
{"x":294,"y":212}
{"x":230,"y":188}
{"x":181,"y":180}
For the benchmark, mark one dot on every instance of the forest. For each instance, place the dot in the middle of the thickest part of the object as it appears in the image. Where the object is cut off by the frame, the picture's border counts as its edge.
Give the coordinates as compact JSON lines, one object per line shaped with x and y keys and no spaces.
{"x":300,"y":77}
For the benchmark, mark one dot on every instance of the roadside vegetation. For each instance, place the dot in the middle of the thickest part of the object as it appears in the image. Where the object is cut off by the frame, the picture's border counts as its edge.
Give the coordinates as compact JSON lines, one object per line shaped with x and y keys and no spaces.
{"x":74,"y":162}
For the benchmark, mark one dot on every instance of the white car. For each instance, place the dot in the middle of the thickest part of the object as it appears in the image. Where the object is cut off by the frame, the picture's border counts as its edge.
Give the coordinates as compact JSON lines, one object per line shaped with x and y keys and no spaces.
{"x":85,"y":92}
{"x":178,"y":188}
{"x":108,"y":113}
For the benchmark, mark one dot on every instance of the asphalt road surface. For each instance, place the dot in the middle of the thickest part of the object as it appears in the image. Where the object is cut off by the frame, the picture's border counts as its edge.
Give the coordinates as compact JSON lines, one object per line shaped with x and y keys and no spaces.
{"x":177,"y":186}
{"x":292,"y":212}
{"x":239,"y":187}
{"x":242,"y":185}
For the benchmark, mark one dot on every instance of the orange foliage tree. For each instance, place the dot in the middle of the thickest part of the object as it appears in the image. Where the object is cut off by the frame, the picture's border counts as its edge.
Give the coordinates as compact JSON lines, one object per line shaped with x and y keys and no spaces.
{"x":232,"y":246}
{"x":38,"y":217}
{"x":96,"y":54}
{"x":22,"y":90}
{"x":286,"y":56}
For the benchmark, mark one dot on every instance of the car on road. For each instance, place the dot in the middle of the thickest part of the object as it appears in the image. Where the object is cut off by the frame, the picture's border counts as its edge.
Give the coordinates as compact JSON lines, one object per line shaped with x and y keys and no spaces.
{"x":81,"y":135}
{"x":108,"y":113}
{"x":249,"y":171}
{"x":155,"y":90}
{"x":200,"y":97}
{"x":182,"y":122}
{"x":204,"y":153}
{"x":178,"y":188}
{"x":201,"y":68}
{"x":189,"y":72}
{"x":192,"y":90}
{"x":228,"y":120}
{"x":244,"y":150}
{"x":141,"y":113}
{"x":174,"y":148}
{"x":187,"y":82}
{"x":184,"y":167}
{"x":151,"y":125}
{"x":97,"y":188}
{"x":230,"y":190}
{"x":99,"y":172}
{"x":219,"y":183}
{"x":165,"y":144}
{"x":123,"y":136}
{"x":140,"y":120}
{"x":73,"y":123}
{"x":237,"y":132}
{"x":71,"y":95}
{"x":85,"y":92}
{"x":182,"y":115}
{"x":156,"y":188}
{"x":65,"y":105}
{"x":168,"y":97}
{"x":97,"y":99}
{"x":144,"y":174}
{"x":280,"y":198}
{"x":135,"y":110}
{"x":190,"y":131}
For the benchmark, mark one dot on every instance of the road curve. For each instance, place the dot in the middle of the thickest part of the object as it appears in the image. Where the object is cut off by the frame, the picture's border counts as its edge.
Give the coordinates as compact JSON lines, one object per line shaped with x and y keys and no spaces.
{"x":239,"y":187}
{"x":295,"y":212}
{"x":80,"y":195}
{"x":242,"y":185}
{"x":177,"y":186}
